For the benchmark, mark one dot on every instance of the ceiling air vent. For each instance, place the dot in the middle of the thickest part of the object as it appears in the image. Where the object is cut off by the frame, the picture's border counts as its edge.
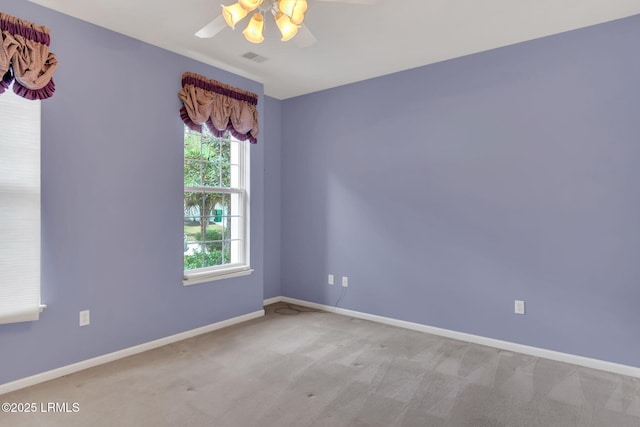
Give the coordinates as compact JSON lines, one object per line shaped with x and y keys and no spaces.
{"x":252,"y":56}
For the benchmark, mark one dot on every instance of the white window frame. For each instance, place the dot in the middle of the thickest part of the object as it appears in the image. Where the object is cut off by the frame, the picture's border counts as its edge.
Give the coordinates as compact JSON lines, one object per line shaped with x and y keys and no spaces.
{"x":20,"y":220}
{"x":243,"y":266}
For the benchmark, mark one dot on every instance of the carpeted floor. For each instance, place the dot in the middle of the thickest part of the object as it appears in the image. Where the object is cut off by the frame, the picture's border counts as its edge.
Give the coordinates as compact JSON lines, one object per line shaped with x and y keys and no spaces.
{"x":311,"y":368}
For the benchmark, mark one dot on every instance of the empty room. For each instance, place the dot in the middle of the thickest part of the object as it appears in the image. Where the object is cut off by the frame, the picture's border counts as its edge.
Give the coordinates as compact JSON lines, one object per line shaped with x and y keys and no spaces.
{"x":320,"y":213}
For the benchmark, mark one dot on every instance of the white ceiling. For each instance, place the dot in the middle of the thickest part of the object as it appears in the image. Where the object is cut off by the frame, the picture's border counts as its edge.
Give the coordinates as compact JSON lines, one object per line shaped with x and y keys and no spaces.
{"x":355,"y":41}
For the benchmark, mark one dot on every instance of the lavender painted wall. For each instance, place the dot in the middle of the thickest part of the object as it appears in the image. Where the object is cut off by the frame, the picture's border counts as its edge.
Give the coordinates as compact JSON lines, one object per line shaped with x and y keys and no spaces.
{"x":272,"y":197}
{"x":448,"y":191}
{"x":112,"y":203}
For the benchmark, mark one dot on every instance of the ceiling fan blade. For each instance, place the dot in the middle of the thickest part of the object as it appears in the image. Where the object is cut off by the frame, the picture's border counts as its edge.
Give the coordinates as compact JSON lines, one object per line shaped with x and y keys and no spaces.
{"x":212,"y":28}
{"x":305,"y":37}
{"x":351,"y":1}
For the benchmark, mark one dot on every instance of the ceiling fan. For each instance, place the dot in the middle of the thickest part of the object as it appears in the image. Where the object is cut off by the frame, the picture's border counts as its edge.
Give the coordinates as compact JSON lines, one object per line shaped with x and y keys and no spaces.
{"x":288,"y":16}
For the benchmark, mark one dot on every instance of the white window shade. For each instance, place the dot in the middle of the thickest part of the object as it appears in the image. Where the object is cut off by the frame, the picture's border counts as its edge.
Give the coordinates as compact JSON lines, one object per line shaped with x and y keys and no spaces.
{"x":19,"y":208}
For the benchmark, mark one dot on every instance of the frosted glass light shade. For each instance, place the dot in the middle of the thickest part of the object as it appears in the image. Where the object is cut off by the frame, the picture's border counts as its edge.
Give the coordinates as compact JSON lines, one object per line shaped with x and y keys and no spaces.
{"x":286,"y":6}
{"x":250,"y":5}
{"x":297,"y":14}
{"x":292,"y":7}
{"x":253,"y":32}
{"x":233,"y":14}
{"x":287,"y":29}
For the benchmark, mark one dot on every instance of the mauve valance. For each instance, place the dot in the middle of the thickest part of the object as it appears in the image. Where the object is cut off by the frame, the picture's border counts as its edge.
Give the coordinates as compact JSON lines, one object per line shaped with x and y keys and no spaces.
{"x":25,"y":57}
{"x":218,"y":106}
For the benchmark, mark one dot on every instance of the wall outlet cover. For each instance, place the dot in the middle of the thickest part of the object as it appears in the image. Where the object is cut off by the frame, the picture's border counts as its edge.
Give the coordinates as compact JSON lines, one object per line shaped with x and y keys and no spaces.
{"x":85,"y":318}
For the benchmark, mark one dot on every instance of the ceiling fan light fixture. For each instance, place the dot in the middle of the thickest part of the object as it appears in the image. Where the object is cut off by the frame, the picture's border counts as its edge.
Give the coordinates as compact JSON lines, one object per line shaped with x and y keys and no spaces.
{"x":299,"y":11}
{"x":285,"y":5}
{"x":250,"y":5}
{"x":253,"y":32}
{"x":233,"y":14}
{"x":298,"y":16}
{"x":292,"y":7}
{"x":287,"y":29}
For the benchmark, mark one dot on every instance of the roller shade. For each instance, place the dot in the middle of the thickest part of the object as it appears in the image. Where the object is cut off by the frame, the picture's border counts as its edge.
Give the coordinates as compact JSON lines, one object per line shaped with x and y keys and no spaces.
{"x":19,"y":209}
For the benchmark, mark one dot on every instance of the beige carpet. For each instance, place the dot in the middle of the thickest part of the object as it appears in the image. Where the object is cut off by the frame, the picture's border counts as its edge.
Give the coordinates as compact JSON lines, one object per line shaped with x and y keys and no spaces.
{"x":313,"y":368}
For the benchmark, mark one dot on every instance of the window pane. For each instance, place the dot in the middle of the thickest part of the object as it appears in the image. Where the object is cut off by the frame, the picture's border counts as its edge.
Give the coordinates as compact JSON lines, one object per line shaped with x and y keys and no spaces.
{"x":211,"y":174}
{"x":192,"y":158}
{"x":225,"y":179}
{"x":226,"y":173}
{"x":195,"y":257}
{"x":191,"y":233}
{"x":213,"y":227}
{"x":192,"y":203}
{"x":211,"y":162}
{"x":207,"y":228}
{"x":191,"y":144}
{"x":192,"y":172}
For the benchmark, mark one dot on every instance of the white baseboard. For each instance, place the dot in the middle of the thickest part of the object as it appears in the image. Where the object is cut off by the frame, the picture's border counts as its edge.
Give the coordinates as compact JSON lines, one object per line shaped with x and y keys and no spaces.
{"x":461,"y":336}
{"x":587,"y":362}
{"x":272,"y":300}
{"x":89,"y":363}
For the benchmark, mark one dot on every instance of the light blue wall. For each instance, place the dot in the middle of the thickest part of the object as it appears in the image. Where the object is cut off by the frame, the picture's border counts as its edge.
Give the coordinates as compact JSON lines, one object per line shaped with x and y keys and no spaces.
{"x":448,"y":191}
{"x":444,"y":193}
{"x":272,"y":199}
{"x":112,"y":203}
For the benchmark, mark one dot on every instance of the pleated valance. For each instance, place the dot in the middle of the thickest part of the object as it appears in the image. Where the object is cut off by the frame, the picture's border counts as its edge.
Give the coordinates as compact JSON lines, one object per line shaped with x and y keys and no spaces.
{"x":25,"y":59}
{"x":218,"y":106}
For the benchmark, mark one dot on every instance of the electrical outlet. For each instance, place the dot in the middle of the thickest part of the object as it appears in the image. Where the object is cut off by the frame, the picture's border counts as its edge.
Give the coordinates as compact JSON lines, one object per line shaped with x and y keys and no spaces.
{"x":519,"y":307}
{"x":345,"y":281}
{"x":85,"y":318}
{"x":330,"y":279}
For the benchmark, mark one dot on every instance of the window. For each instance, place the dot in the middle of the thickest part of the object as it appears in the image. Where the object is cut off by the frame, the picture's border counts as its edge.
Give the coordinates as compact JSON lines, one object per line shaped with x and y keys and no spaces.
{"x":19,"y":208}
{"x":216,"y":207}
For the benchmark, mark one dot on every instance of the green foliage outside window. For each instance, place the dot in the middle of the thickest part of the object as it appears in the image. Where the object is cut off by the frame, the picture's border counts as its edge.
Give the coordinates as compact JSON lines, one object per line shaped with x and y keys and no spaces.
{"x":206,"y":259}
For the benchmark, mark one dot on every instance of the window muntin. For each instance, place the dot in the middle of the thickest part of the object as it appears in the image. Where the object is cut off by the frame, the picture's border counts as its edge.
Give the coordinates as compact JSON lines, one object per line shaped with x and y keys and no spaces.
{"x":215,"y":204}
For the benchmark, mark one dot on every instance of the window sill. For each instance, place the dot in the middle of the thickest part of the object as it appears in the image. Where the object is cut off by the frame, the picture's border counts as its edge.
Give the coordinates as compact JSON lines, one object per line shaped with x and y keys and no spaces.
{"x":210,"y":276}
